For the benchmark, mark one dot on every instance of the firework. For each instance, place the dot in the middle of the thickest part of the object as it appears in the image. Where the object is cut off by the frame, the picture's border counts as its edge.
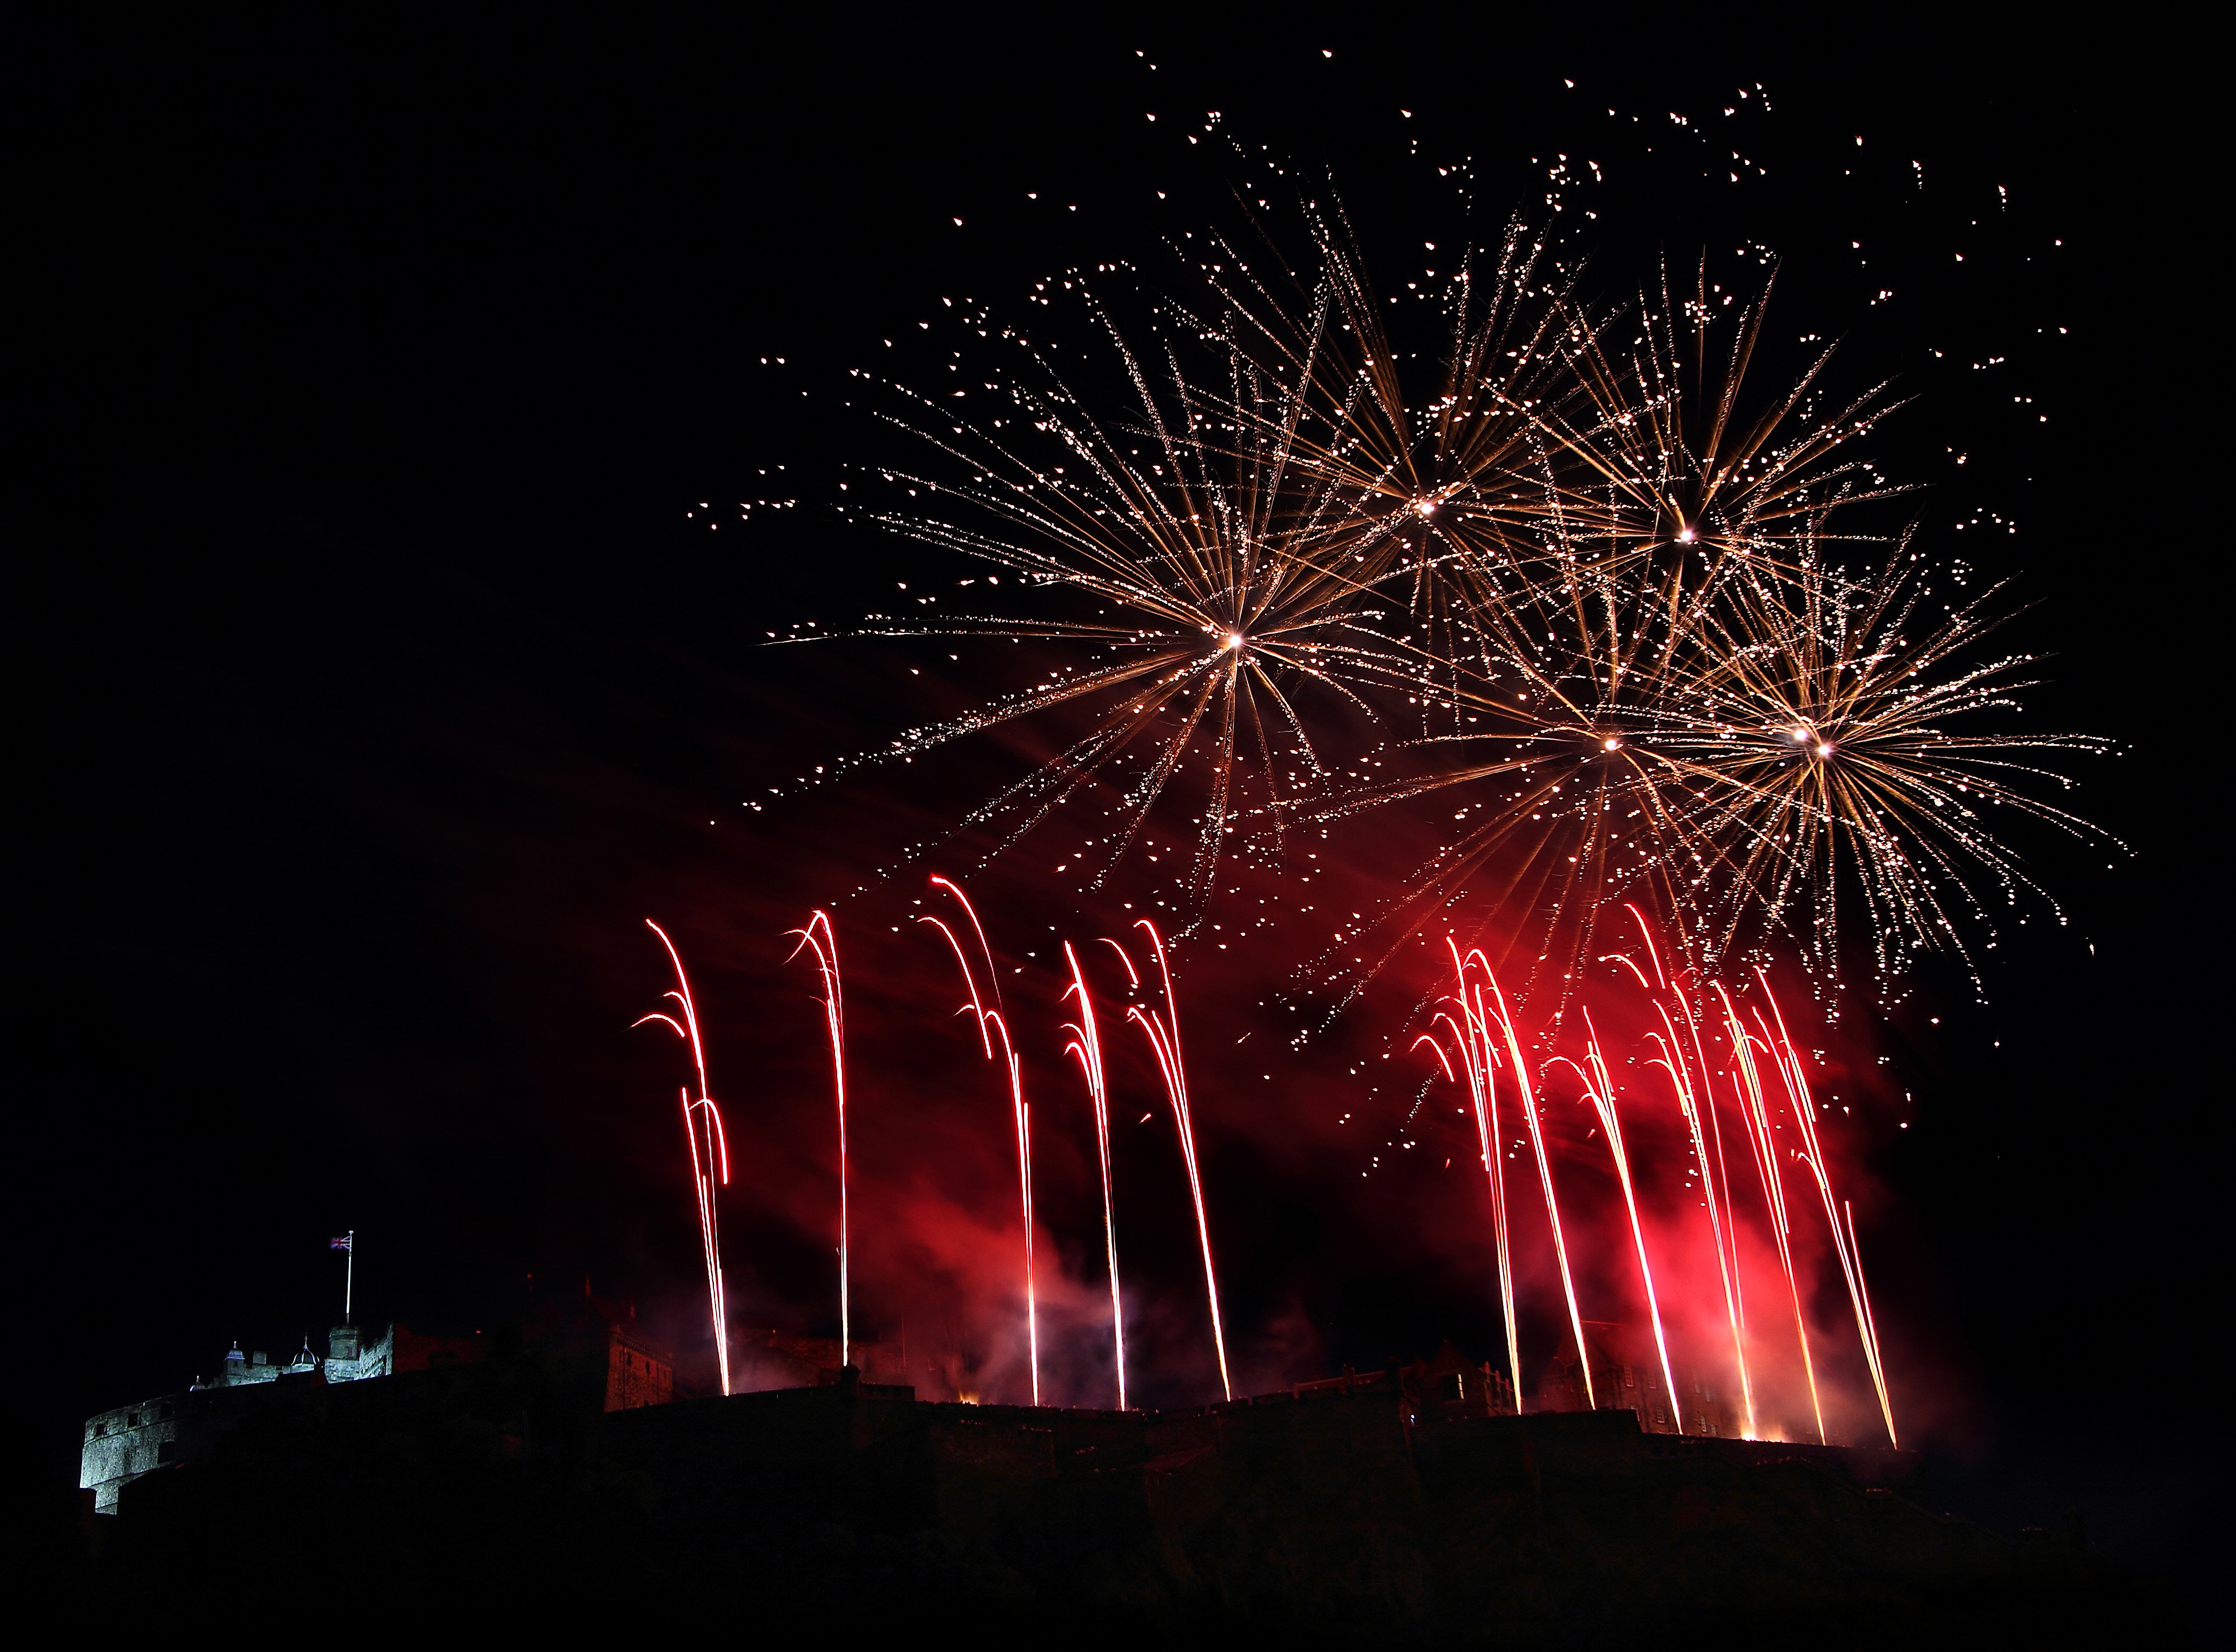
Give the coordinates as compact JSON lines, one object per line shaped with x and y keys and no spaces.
{"x":1086,"y":1048}
{"x":1809,"y":734}
{"x":1162,"y":1029}
{"x":1636,"y":619}
{"x":1214,"y":540}
{"x":1447,"y":499}
{"x":818,"y":937}
{"x":1696,"y":1104}
{"x":1473,"y":1034}
{"x":991,"y":1022}
{"x":1681,"y":697}
{"x":1479,"y":1059}
{"x":1599,"y":1086}
{"x":1804,"y":1108}
{"x":1592,"y":587}
{"x":1532,"y":1117}
{"x":1754,"y":1111}
{"x":710,"y":1149}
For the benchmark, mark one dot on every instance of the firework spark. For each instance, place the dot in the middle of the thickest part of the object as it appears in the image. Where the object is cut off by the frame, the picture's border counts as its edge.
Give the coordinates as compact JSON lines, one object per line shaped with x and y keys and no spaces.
{"x":1599,"y":1086}
{"x":1086,"y":1048}
{"x":1754,"y":1111}
{"x":1690,"y":1085}
{"x":1162,"y":1029}
{"x":1803,"y":1106}
{"x":1218,"y":533}
{"x":710,"y":1148}
{"x":818,"y":937}
{"x":1472,"y":1034}
{"x":1532,"y":1117}
{"x":1605,"y":582}
{"x":1809,"y":734}
{"x":1479,"y":1059}
{"x":1680,"y":696}
{"x":991,"y":1022}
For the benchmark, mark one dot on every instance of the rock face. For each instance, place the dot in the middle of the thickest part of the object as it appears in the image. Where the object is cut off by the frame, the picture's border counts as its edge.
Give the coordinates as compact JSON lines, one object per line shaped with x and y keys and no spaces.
{"x":1335,"y":1512}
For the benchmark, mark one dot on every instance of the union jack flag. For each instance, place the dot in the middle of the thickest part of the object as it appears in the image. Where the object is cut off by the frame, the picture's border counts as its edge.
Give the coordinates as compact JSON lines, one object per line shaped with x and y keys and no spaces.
{"x":343,"y":1243}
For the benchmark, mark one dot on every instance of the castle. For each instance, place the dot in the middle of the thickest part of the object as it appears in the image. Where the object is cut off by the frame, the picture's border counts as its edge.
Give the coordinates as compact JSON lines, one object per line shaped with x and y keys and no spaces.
{"x":597,"y":1336}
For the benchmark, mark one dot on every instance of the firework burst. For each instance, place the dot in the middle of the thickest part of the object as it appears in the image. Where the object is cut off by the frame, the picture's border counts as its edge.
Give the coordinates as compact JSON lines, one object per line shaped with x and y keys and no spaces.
{"x":1685,"y":701}
{"x":1813,"y":734}
{"x":1207,"y":582}
{"x":1589,"y":586}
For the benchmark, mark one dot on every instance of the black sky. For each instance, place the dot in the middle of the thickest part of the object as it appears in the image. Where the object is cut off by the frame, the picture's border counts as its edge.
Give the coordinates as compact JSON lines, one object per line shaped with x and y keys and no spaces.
{"x":368,"y":684}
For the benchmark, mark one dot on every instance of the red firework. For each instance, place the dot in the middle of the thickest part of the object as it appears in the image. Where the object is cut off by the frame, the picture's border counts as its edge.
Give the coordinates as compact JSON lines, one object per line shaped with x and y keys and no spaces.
{"x":710,"y":1149}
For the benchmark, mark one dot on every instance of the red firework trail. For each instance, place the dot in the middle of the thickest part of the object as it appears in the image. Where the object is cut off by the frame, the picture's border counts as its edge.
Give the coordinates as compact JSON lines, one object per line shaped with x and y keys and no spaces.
{"x":1804,"y":1108}
{"x":1748,"y":1083}
{"x":709,"y":1164}
{"x":1163,"y":1031}
{"x":818,"y":935}
{"x":1536,"y":1124}
{"x":1085,"y":1046}
{"x":1693,"y":1102}
{"x":1599,"y":1087}
{"x":1471,"y":1035}
{"x":1020,"y":1117}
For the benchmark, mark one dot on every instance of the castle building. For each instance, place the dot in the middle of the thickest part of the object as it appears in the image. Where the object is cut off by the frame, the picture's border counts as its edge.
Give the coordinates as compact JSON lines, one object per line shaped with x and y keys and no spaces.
{"x":1626,"y":1376}
{"x":597,"y":1341}
{"x":129,"y":1441}
{"x":601,"y":1337}
{"x":1448,"y":1385}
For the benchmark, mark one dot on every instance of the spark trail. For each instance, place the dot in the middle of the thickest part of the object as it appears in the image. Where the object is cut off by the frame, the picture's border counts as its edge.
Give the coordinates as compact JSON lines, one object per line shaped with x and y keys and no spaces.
{"x":1804,"y":1108}
{"x":989,"y":1023}
{"x":1530,"y":1116}
{"x":818,"y":937}
{"x":1693,"y":1100}
{"x":1599,"y":1086}
{"x":1085,"y":1047}
{"x":710,"y":1149}
{"x":1748,"y":1082}
{"x":1163,"y":1030}
{"x":1471,"y":1037}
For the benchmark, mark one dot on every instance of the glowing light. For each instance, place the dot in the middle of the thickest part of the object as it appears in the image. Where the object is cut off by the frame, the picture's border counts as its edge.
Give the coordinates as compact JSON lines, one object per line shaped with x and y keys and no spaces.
{"x":1599,"y":1086}
{"x":818,"y":937}
{"x":710,"y":1148}
{"x":1503,"y":544}
{"x":989,"y":1022}
{"x":1086,"y":1048}
{"x":1162,"y":1029}
{"x":1755,"y":1113}
{"x":1695,"y":1102}
{"x":1497,"y":1011}
{"x":1471,"y":1039}
{"x":1803,"y":1108}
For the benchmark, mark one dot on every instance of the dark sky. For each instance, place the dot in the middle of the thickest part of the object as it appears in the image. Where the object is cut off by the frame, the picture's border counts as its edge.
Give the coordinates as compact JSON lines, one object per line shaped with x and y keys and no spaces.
{"x":370,"y":684}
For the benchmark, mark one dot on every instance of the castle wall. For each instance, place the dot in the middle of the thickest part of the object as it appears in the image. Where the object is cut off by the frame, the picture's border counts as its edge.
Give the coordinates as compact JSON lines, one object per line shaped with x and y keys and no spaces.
{"x":126,"y":1443}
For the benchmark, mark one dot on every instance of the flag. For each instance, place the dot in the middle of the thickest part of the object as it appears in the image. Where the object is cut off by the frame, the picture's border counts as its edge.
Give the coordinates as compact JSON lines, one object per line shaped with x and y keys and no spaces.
{"x":343,"y":1243}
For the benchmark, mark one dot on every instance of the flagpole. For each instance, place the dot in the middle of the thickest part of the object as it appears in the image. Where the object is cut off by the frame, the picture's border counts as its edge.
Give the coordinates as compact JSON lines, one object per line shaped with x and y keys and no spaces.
{"x":348,"y":1277}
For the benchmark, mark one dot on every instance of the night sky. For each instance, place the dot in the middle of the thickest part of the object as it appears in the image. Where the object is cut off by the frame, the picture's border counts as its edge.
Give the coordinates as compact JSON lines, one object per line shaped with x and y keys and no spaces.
{"x":372,"y":388}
